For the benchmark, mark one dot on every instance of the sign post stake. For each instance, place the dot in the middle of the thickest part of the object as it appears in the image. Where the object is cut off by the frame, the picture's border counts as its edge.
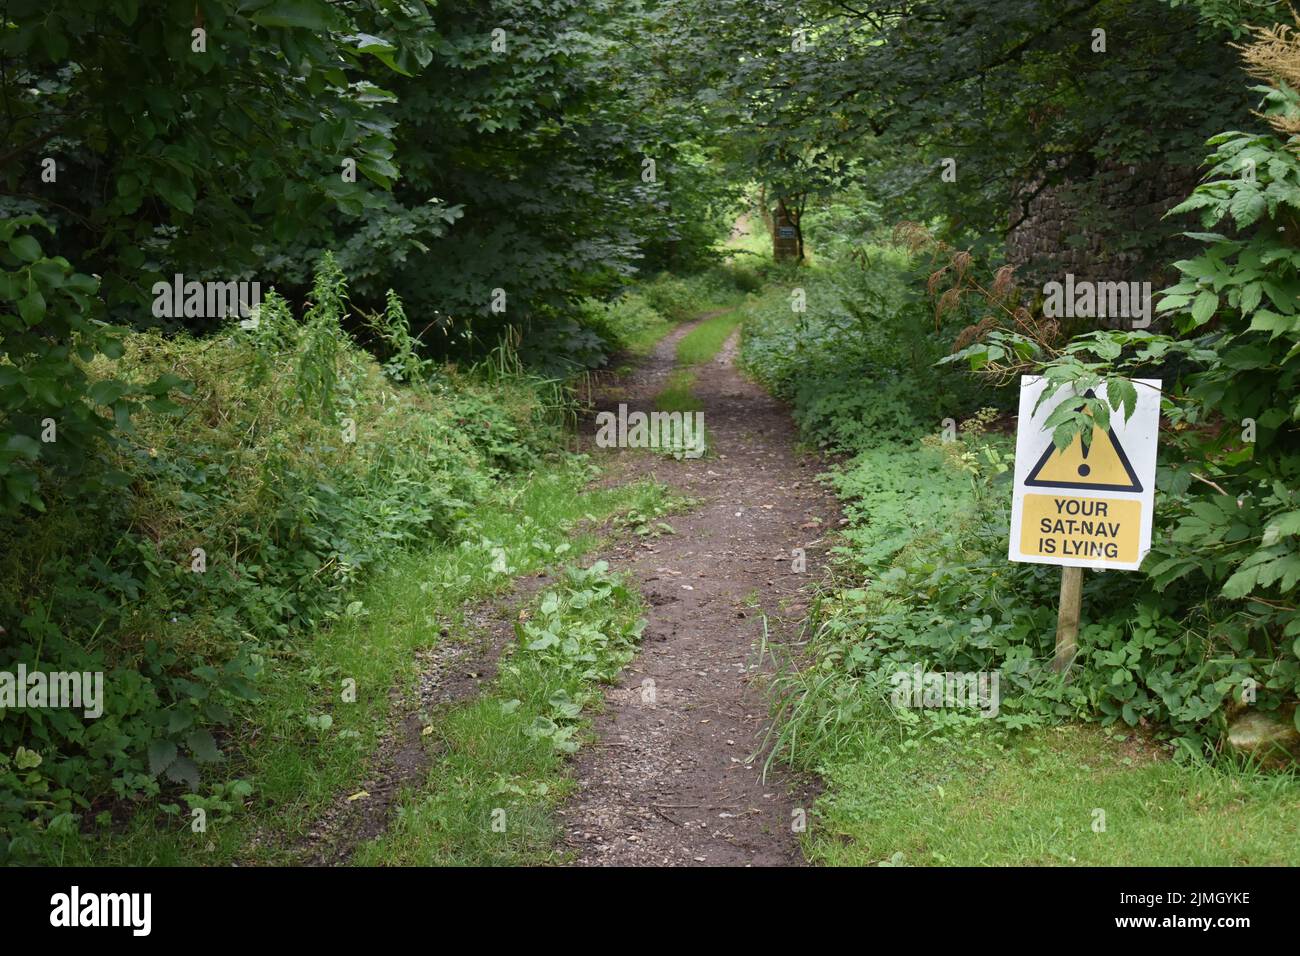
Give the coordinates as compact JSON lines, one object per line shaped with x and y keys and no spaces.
{"x":1067,"y":618}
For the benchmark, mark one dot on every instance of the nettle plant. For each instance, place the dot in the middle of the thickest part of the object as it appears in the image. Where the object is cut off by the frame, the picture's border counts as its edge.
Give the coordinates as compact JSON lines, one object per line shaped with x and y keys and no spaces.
{"x":1228,"y":527}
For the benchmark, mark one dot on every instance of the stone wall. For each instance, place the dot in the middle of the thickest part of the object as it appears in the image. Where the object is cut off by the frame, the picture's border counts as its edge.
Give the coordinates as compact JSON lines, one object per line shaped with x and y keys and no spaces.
{"x":1133,"y":198}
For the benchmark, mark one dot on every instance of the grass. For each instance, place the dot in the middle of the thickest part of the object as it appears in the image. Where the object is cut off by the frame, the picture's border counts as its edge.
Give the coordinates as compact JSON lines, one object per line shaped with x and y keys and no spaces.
{"x":1038,"y":799}
{"x":300,"y":761}
{"x":502,"y":771}
{"x":676,"y":395}
{"x":643,"y":341}
{"x":752,"y":241}
{"x":698,"y":346}
{"x":702,"y":343}
{"x":914,"y":581}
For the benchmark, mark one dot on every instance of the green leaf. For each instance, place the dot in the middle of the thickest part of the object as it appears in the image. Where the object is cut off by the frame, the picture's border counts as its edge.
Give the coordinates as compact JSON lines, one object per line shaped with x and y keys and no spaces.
{"x":1250,"y":296}
{"x":1120,"y":391}
{"x":1280,"y":527}
{"x":1203,"y":309}
{"x":174,"y":194}
{"x":1247,"y":205}
{"x":203,"y":746}
{"x":1266,"y":321}
{"x":162,"y":753}
{"x":25,"y":445}
{"x":32,"y":307}
{"x":106,"y":391}
{"x":25,"y":248}
{"x":183,"y":770}
{"x":296,"y":15}
{"x":380,"y":48}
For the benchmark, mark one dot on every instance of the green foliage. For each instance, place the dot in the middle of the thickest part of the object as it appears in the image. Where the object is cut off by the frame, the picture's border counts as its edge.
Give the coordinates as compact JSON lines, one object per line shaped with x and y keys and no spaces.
{"x":928,"y":523}
{"x":171,"y":159}
{"x":571,"y":634}
{"x":500,"y":773}
{"x":404,"y":363}
{"x":295,"y":467}
{"x":679,"y":298}
{"x":1228,"y":550}
{"x":628,"y":323}
{"x":636,"y":320}
{"x":53,"y":420}
{"x":441,"y":152}
{"x":943,"y":595}
{"x":858,"y":364}
{"x":878,"y":94}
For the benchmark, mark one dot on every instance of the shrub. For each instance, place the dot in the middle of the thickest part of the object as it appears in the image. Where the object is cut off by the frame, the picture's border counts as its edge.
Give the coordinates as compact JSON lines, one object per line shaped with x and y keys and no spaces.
{"x":292,"y":465}
{"x":858,"y":363}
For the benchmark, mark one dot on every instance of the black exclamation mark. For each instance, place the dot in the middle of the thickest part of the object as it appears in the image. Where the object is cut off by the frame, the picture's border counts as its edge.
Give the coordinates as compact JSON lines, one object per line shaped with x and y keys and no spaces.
{"x":1084,"y":469}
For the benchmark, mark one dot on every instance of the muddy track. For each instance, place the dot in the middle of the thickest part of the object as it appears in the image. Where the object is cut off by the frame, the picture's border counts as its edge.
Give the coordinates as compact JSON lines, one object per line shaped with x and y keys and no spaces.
{"x":674,"y":777}
{"x":450,"y":673}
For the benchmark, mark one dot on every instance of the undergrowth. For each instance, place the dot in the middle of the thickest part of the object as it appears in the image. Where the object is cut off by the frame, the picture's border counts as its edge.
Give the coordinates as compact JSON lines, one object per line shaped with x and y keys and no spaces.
{"x":289,"y":468}
{"x":920,"y":578}
{"x":501,"y":768}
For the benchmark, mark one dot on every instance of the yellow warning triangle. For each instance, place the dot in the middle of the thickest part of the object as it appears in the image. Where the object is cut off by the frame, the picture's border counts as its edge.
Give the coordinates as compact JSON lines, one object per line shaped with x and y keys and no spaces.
{"x":1102,"y":467}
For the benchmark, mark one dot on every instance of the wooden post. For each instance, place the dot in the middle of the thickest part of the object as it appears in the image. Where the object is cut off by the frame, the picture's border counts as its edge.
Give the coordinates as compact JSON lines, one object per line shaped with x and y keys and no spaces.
{"x":1067,"y":618}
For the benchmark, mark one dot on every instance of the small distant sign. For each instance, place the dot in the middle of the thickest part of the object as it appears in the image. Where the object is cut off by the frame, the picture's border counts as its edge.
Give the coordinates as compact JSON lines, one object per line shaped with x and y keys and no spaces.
{"x":1085,"y":507}
{"x":785,"y":232}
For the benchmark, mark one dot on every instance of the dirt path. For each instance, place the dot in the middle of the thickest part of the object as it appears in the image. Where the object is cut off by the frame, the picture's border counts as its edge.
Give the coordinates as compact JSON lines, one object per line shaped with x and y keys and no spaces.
{"x":673,"y":778}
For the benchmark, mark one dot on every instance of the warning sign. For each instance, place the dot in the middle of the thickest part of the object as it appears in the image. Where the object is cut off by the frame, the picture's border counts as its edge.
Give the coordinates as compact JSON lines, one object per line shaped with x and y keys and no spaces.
{"x":1101,"y":515}
{"x":1059,"y":526}
{"x":1102,"y":466}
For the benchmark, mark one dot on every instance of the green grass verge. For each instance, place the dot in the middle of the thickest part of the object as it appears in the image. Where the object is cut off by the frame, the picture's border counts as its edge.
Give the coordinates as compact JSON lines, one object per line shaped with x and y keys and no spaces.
{"x":300,"y":743}
{"x":643,"y":340}
{"x":703,"y":342}
{"x":1038,"y":798}
{"x":502,"y":771}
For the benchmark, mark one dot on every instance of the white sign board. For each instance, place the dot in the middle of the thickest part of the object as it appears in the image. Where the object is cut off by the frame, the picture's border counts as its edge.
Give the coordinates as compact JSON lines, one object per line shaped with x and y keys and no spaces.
{"x":1085,"y":507}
